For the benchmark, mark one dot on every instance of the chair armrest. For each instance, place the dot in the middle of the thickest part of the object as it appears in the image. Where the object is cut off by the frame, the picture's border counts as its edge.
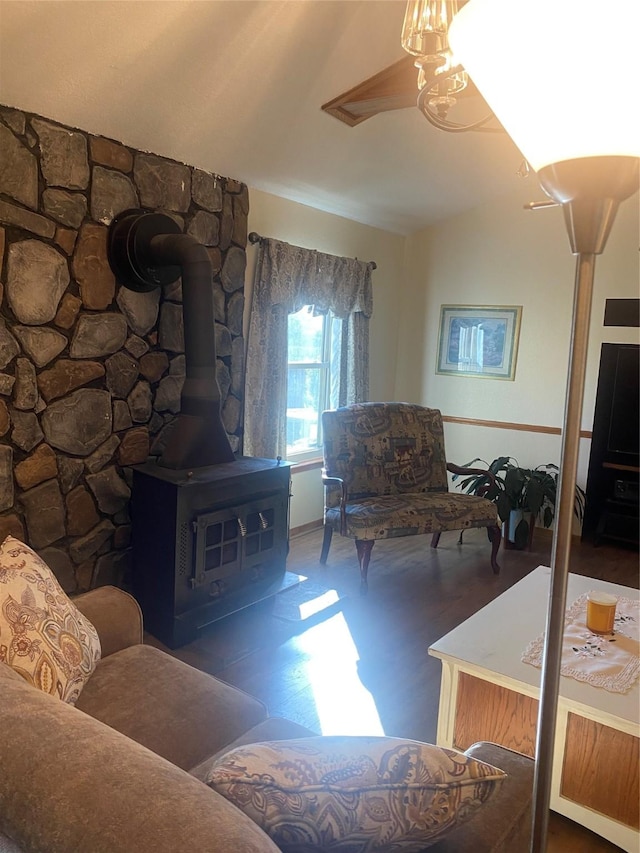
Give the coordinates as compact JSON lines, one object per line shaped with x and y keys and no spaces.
{"x":461,"y":469}
{"x":338,"y":481}
{"x":332,"y":481}
{"x":116,"y":616}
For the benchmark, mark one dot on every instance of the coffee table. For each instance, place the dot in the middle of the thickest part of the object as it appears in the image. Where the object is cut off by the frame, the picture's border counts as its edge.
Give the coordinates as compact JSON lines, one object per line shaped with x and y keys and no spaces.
{"x":487,"y":693}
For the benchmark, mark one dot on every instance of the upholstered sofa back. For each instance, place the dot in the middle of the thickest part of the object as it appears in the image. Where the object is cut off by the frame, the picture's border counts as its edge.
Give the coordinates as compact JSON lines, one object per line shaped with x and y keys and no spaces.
{"x":72,"y":783}
{"x":384,"y":449}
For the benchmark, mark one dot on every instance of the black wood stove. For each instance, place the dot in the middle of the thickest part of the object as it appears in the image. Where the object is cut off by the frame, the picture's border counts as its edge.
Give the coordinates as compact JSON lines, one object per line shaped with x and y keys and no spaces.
{"x":209,"y":530}
{"x":207,"y":543}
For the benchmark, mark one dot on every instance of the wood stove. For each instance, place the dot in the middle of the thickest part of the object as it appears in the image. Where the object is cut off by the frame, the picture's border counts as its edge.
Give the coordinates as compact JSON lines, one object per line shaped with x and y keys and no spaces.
{"x":207,"y":542}
{"x":209,"y":530}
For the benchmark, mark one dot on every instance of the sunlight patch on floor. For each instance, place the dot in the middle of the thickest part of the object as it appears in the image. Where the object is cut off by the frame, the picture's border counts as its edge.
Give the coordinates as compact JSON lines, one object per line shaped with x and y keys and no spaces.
{"x":321,"y":602}
{"x":343,"y":705}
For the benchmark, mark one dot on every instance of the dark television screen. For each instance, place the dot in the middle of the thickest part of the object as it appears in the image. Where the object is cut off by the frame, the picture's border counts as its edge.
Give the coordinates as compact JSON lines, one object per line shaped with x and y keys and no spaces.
{"x":624,"y":426}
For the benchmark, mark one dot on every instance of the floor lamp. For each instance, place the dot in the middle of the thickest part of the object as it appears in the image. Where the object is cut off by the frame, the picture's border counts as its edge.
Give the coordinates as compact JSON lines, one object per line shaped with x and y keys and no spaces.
{"x":561,"y":77}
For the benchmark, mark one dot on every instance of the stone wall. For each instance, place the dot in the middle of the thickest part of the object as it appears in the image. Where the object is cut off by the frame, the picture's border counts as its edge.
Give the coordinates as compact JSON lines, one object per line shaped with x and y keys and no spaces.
{"x":91,"y":372}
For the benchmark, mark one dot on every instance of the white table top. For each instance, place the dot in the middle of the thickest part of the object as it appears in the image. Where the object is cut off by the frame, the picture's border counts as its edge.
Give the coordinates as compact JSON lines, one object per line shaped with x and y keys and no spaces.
{"x":495,"y":637}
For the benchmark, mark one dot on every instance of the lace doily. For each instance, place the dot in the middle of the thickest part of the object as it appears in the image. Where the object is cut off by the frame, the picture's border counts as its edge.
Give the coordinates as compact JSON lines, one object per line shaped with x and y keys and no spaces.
{"x":610,"y":661}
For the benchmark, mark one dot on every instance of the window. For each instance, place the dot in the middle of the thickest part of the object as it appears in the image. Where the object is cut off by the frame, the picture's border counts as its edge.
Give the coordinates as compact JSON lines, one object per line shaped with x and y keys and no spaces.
{"x":313,"y":377}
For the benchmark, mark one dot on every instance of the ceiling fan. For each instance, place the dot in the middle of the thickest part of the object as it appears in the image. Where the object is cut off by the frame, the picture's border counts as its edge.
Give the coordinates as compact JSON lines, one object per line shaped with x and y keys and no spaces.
{"x":396,"y":87}
{"x":393,"y":88}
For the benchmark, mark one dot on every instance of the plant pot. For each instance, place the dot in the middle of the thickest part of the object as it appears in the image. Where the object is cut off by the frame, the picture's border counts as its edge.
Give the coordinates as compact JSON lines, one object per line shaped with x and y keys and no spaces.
{"x":517,"y":535}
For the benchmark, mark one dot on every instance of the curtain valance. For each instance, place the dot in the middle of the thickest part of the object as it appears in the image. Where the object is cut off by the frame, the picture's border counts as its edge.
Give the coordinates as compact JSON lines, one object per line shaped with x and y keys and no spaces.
{"x":292,"y":276}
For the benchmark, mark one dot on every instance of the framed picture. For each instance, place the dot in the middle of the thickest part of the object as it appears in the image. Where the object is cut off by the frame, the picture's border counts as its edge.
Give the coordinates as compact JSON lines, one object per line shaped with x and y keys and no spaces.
{"x":479,"y":340}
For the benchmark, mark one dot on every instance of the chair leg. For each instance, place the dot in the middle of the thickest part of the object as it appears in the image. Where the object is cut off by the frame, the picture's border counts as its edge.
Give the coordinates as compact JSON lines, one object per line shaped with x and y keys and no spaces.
{"x":364,"y":547}
{"x":435,"y":539}
{"x":326,"y":543}
{"x":495,"y":535}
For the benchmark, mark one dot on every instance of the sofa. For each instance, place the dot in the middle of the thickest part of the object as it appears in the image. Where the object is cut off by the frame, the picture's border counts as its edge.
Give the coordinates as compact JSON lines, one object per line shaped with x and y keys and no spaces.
{"x":124,"y":769}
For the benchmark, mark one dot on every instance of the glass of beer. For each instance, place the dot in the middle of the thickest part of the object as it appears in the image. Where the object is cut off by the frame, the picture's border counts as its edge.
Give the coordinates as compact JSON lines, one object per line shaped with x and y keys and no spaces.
{"x":601,"y":612}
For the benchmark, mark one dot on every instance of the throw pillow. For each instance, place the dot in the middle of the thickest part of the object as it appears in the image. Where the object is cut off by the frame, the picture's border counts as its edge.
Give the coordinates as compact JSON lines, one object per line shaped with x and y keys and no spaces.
{"x":43,"y":635}
{"x":355,"y":794}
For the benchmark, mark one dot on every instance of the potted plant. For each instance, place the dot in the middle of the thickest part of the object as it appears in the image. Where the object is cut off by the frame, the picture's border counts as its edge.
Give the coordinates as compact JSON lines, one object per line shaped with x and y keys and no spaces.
{"x":521,"y":495}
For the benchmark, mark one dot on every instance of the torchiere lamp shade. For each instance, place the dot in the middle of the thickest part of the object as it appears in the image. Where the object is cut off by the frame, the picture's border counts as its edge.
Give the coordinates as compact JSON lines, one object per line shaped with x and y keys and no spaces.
{"x":560,"y":75}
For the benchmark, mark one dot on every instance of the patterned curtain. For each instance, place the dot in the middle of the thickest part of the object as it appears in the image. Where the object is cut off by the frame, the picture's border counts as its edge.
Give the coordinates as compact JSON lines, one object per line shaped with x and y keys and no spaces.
{"x":288,"y":278}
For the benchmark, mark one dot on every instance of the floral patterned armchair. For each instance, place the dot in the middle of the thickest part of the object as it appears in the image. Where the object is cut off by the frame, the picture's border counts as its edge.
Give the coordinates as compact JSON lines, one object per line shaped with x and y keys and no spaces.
{"x":385,"y":475}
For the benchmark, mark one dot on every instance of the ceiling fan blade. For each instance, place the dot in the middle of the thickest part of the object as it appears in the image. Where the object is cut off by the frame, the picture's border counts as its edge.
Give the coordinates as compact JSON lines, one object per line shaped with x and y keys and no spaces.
{"x":393,"y":88}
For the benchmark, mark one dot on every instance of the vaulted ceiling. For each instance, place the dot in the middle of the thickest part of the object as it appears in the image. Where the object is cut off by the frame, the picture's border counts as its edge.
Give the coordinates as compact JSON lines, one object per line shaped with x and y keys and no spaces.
{"x":236,"y":86}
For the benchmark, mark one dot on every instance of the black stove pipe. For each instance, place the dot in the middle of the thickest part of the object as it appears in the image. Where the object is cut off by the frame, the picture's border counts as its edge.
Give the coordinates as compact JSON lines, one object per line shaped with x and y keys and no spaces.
{"x":145,"y":251}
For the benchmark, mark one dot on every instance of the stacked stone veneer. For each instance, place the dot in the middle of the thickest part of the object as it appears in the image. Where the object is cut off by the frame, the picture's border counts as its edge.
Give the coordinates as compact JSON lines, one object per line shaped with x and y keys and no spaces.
{"x":91,"y":372}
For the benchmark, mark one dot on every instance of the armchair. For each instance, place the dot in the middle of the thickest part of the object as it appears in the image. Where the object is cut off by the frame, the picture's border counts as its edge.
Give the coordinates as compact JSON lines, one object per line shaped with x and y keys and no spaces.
{"x":385,"y":476}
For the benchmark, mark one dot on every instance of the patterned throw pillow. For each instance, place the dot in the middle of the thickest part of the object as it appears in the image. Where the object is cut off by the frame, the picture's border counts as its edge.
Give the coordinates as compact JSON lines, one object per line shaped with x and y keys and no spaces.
{"x":355,"y":794}
{"x":43,"y":635}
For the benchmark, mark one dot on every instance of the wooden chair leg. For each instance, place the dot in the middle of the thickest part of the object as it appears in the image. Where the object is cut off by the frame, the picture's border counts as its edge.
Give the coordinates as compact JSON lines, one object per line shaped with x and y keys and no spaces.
{"x":495,"y":535}
{"x":435,"y":539}
{"x":326,"y":543}
{"x":364,"y":547}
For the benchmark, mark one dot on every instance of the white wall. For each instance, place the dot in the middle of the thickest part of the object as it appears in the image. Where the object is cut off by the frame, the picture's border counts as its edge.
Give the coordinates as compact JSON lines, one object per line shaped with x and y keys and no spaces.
{"x":271,"y":216}
{"x":500,"y":254}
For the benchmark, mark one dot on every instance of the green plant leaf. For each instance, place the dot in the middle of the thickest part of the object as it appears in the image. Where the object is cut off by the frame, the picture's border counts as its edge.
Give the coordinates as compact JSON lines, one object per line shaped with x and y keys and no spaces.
{"x":547,"y":517}
{"x":504,"y":506}
{"x":514,"y":482}
{"x":465,"y":483}
{"x":499,"y":464}
{"x":535,"y":495}
{"x":495,"y":490}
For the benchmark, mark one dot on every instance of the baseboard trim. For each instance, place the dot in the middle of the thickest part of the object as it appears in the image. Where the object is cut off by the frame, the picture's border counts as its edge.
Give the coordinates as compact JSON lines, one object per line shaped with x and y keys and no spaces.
{"x":547,"y":533}
{"x":305,"y":528}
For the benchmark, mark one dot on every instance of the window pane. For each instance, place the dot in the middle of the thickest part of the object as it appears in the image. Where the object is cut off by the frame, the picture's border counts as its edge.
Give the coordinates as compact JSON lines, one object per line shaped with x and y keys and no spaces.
{"x":313,"y":378}
{"x":305,"y":337}
{"x":303,"y":407}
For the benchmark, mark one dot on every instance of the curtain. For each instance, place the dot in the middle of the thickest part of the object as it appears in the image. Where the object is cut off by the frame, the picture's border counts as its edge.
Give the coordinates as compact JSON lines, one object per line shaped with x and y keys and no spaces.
{"x":288,"y":278}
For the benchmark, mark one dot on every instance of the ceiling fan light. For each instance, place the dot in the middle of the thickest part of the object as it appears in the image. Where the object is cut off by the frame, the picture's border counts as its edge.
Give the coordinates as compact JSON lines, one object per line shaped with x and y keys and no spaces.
{"x":449,"y":84}
{"x":425,"y":28}
{"x":520,"y":56}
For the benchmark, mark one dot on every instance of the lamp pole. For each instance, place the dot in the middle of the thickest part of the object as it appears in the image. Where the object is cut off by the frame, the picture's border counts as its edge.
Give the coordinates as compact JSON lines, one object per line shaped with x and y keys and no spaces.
{"x":552,"y":656}
{"x":590,"y":191}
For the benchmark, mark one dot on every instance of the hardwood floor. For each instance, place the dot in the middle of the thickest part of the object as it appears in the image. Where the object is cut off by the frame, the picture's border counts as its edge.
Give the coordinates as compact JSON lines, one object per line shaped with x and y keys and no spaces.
{"x":362,"y":667}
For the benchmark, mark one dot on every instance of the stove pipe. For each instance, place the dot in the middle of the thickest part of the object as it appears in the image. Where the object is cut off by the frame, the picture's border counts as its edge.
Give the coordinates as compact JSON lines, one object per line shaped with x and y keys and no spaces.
{"x":148,"y":250}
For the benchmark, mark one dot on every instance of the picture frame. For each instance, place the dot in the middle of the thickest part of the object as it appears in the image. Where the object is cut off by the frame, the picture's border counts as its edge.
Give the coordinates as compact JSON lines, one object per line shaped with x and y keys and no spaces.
{"x":479,"y":341}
